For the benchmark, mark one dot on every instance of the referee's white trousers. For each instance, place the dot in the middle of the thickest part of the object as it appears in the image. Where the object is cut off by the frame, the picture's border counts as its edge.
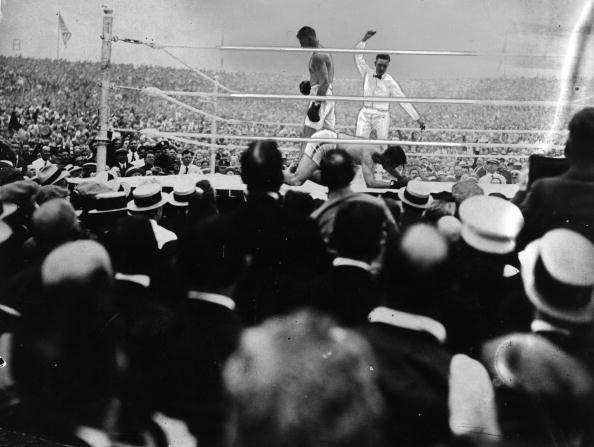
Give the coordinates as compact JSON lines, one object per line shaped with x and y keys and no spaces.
{"x":370,"y":119}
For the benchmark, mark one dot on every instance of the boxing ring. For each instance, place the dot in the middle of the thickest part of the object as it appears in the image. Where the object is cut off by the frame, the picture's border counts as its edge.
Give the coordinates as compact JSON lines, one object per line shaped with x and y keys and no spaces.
{"x":220,"y":91}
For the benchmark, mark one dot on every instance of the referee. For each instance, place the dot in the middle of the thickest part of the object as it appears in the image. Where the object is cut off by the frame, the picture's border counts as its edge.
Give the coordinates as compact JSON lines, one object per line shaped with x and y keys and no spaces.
{"x":377,"y":83}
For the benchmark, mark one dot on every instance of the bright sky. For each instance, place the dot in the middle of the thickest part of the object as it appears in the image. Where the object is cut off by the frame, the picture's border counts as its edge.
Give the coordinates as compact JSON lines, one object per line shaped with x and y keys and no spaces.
{"x":534,"y":27}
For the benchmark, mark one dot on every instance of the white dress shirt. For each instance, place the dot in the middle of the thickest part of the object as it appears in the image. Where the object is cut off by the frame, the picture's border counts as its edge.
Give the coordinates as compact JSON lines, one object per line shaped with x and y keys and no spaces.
{"x":40,"y":163}
{"x":132,"y":156}
{"x":190,"y":169}
{"x":386,"y":86}
{"x":163,"y":235}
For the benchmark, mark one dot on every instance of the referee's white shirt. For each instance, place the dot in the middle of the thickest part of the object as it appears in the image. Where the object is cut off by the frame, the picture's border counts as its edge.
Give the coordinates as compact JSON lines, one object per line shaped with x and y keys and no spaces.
{"x":375,"y":87}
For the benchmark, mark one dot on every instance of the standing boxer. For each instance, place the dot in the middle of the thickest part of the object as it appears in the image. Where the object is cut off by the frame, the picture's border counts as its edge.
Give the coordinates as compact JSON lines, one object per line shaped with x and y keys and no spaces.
{"x":320,"y":114}
{"x":377,"y":83}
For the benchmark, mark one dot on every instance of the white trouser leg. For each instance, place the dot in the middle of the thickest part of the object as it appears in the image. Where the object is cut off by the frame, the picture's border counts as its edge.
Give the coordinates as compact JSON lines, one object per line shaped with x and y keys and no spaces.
{"x":363,"y":124}
{"x":382,"y":126}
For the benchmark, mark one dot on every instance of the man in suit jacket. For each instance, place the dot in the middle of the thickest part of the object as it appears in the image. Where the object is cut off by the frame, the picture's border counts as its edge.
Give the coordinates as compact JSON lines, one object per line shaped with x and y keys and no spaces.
{"x":348,"y":291}
{"x":147,"y":324}
{"x":43,"y":160}
{"x":566,"y":201}
{"x":418,"y":376}
{"x":285,"y":247}
{"x":337,"y":171}
{"x":8,"y":172}
{"x":122,"y":163}
{"x":212,"y":261}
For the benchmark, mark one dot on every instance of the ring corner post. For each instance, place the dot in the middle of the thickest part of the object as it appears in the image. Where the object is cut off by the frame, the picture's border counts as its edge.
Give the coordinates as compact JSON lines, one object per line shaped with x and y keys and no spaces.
{"x":103,"y":140}
{"x":213,"y":127}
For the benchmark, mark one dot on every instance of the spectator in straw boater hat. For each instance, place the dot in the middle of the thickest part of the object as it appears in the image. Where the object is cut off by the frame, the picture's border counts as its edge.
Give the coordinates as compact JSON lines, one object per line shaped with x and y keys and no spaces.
{"x":148,"y":200}
{"x":558,"y":276}
{"x":52,"y":175}
{"x":108,"y":208}
{"x":176,"y":214}
{"x":543,"y":395}
{"x":415,"y":198}
{"x":490,"y":226}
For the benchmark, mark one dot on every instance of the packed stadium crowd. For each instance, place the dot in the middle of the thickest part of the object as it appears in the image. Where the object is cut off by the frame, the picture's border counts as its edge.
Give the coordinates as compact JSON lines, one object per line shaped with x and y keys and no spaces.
{"x":56,"y":104}
{"x":153,"y":316}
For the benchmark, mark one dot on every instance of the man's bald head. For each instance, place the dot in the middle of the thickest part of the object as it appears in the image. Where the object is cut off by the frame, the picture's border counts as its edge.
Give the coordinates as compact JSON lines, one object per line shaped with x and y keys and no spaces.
{"x":54,"y":222}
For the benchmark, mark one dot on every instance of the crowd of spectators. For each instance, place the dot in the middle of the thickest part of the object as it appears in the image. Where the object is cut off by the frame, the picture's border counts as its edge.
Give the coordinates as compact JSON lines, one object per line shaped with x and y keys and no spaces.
{"x":186,"y":316}
{"x":198,"y":317}
{"x":56,"y":104}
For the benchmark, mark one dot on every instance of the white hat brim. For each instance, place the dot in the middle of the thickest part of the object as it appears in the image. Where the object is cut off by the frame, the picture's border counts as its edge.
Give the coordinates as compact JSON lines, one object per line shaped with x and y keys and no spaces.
{"x":133,"y":208}
{"x":528,"y":259}
{"x":117,"y":210}
{"x":174,"y":202}
{"x":484,"y":244}
{"x":403,"y":199}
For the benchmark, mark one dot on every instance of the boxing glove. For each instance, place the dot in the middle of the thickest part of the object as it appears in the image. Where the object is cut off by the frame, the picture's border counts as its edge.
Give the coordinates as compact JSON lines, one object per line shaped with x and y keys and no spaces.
{"x":305,"y":88}
{"x":313,"y":113}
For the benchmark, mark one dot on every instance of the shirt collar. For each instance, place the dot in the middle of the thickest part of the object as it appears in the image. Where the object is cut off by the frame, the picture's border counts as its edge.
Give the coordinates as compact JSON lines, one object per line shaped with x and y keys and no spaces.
{"x":409,"y":321}
{"x":544,"y":326}
{"x":338,"y":261}
{"x":213,"y":298}
{"x":92,"y":436}
{"x":143,"y":280}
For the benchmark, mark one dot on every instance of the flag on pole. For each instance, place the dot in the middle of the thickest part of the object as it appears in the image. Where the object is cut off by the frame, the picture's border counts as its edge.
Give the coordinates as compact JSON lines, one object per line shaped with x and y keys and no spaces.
{"x":64,"y":30}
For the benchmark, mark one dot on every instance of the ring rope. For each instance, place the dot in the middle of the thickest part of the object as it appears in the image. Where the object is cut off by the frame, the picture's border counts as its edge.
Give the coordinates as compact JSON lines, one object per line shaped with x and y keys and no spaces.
{"x":198,"y":72}
{"x":159,"y":47}
{"x":486,"y":102}
{"x":156,"y":93}
{"x":294,"y":149}
{"x":154,"y":132}
{"x":298,"y":50}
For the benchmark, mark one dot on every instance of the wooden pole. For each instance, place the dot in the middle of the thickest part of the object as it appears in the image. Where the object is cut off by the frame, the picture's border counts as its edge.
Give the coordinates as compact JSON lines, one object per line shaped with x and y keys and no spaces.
{"x":213,"y":129}
{"x":103,"y":140}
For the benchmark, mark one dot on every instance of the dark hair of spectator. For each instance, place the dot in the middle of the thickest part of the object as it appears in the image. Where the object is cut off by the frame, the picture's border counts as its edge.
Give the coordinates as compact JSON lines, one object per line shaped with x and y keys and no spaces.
{"x":6,"y":152}
{"x":337,"y":169}
{"x":581,"y":134}
{"x":358,"y":229}
{"x":262,"y":166}
{"x":187,"y":151}
{"x":132,"y":246}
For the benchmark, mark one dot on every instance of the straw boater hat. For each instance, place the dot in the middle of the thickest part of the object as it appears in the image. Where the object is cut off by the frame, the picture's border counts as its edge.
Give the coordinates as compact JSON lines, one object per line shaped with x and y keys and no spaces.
{"x":182,"y":192}
{"x":415,"y":194}
{"x":73,"y":170}
{"x":490,"y":224}
{"x":558,"y":275}
{"x":146,"y":197}
{"x":110,"y":202}
{"x":51,"y":174}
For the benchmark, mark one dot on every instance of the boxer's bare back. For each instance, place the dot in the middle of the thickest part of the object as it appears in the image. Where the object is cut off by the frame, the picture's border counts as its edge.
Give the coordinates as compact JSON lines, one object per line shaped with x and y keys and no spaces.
{"x":321,"y":71}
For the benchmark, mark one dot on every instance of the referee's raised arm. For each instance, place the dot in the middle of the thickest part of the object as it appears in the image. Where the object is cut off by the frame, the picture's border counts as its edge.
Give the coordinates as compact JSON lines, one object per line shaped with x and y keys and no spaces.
{"x":359,"y":59}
